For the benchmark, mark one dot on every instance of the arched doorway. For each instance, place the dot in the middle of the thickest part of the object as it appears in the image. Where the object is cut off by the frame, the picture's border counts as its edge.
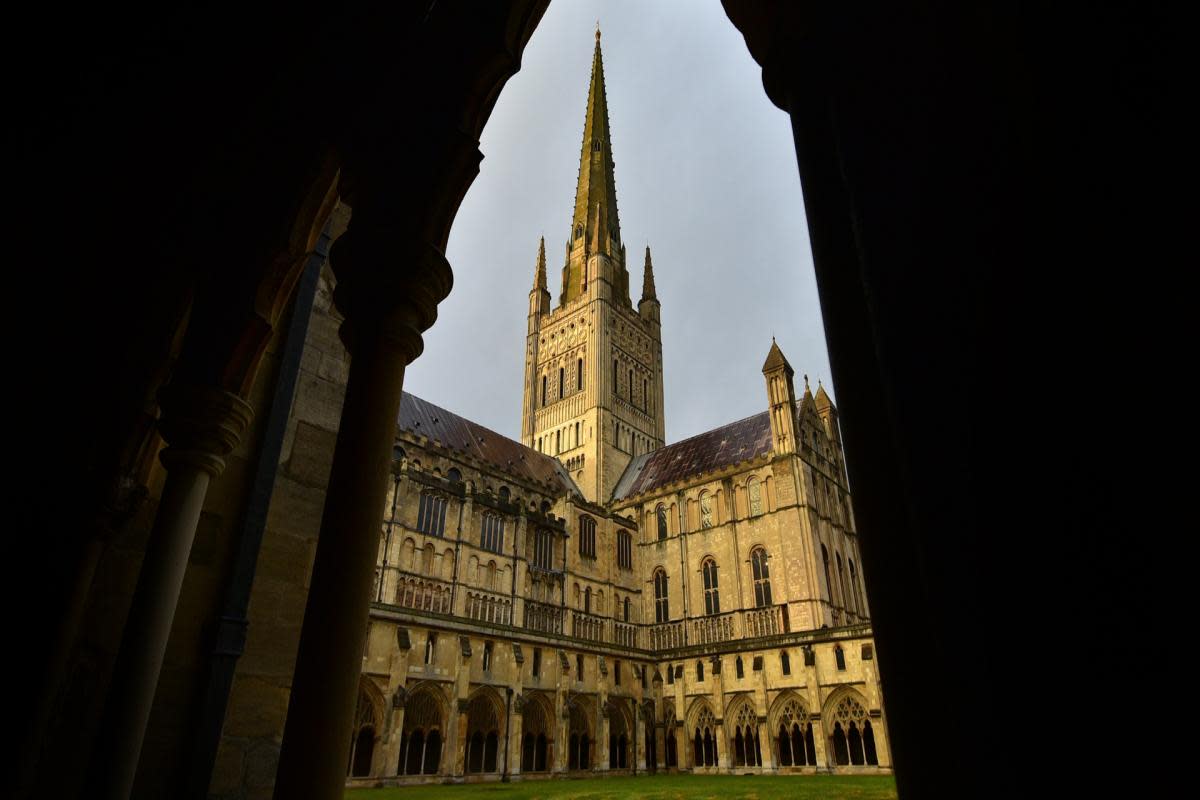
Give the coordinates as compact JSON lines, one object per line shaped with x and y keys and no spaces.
{"x":422,"y":736}
{"x":619,"y":735}
{"x":579,"y":742}
{"x":484,"y":716}
{"x":537,"y":735}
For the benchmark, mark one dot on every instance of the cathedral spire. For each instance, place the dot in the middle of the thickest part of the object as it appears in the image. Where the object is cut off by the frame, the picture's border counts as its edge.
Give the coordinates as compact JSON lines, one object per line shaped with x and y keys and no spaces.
{"x":595,"y":226}
{"x":648,"y":279}
{"x":539,"y":275}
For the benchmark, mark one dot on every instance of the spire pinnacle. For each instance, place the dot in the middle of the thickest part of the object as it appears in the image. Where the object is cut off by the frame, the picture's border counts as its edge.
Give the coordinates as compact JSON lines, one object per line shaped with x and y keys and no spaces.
{"x":648,"y":279}
{"x":539,"y":275}
{"x":595,"y":193}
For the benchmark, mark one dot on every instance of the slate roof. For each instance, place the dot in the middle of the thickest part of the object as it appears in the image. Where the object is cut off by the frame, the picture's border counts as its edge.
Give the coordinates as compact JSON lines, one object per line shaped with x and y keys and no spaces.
{"x":721,"y":447}
{"x":460,"y":434}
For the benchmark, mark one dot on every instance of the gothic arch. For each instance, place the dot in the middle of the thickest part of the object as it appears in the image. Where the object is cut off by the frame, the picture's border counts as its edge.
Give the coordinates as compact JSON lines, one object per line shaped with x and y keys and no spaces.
{"x":849,"y":729}
{"x":423,"y":735}
{"x":704,"y":735}
{"x":790,"y":729}
{"x":537,"y":733}
{"x":365,"y":736}
{"x":485,"y":726}
{"x":620,"y":733}
{"x":581,"y":736}
{"x":741,"y":731}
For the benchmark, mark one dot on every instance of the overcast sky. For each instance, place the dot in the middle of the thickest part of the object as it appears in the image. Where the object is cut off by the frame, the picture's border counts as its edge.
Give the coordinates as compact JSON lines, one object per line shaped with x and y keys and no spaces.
{"x":706,"y":175}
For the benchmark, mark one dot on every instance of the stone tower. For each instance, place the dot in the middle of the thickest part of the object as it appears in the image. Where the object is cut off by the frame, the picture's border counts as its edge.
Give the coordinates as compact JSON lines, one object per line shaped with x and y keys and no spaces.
{"x":593,"y":364}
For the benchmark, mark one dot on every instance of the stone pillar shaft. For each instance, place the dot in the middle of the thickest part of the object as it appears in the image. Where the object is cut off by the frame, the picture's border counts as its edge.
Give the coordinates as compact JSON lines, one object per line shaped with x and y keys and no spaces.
{"x":202,"y":426}
{"x":312,"y":761}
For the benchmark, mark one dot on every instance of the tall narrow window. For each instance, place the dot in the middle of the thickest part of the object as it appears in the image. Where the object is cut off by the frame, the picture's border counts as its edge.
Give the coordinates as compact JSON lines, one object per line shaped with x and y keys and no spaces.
{"x":862,"y":608}
{"x":616,"y":673}
{"x":624,"y":550}
{"x":579,"y":666}
{"x":706,"y":510}
{"x":841,"y":580}
{"x":491,"y":534}
{"x":430,"y":647}
{"x":577,"y":439}
{"x":587,"y":537}
{"x":431,"y":514}
{"x":587,"y":600}
{"x":579,"y":374}
{"x":661,"y":514}
{"x":754,"y":492}
{"x":699,"y":670}
{"x":543,"y":390}
{"x":840,"y":656}
{"x":828,"y":582}
{"x":543,"y":555}
{"x":762,"y":577}
{"x":661,"y":612}
{"x":562,"y":386}
{"x":785,"y":663}
{"x":712,"y":597}
{"x":740,"y":668}
{"x":630,"y":387}
{"x":487,"y":656}
{"x":537,"y":662}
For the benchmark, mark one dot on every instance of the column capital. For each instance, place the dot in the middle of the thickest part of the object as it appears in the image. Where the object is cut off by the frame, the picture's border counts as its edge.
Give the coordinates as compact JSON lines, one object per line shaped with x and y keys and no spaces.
{"x":201,"y":425}
{"x":387,"y":287}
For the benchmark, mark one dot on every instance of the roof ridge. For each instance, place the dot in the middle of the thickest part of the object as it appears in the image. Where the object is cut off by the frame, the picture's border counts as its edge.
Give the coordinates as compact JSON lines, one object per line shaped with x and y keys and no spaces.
{"x":710,"y":430}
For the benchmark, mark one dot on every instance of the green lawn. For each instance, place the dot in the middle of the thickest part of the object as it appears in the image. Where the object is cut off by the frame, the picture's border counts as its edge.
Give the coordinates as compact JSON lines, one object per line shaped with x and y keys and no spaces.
{"x":655,"y":787}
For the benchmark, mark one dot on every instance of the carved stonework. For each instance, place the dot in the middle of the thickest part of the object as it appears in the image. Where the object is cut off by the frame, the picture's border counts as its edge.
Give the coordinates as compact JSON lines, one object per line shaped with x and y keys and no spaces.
{"x":519,"y":704}
{"x":400,"y":698}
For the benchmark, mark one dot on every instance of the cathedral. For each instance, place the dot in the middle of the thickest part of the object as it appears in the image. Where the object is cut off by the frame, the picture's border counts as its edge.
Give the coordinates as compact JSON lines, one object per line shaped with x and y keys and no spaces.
{"x":591,"y":599}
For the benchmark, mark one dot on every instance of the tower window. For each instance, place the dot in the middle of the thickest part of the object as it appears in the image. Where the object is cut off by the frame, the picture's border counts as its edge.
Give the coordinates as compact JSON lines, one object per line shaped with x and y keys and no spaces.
{"x":785,"y":663}
{"x":661,"y":513}
{"x":624,"y":550}
{"x":595,"y":145}
{"x":562,"y":386}
{"x":537,"y":661}
{"x":587,"y":537}
{"x":430,"y":647}
{"x":431,"y":514}
{"x":670,"y":673}
{"x":578,"y":441}
{"x":739,"y":668}
{"x":543,"y":556}
{"x":617,"y":673}
{"x":579,"y":666}
{"x":491,"y":534}
{"x":762,"y":577}
{"x":699,"y":670}
{"x":840,"y":656}
{"x":712,"y":597}
{"x":661,"y":613}
{"x":487,"y":656}
{"x":579,"y":374}
{"x":543,"y":390}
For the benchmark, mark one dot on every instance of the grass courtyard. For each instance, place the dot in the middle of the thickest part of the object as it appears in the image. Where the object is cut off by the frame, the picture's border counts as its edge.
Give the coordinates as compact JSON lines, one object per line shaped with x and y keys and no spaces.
{"x":655,"y":787}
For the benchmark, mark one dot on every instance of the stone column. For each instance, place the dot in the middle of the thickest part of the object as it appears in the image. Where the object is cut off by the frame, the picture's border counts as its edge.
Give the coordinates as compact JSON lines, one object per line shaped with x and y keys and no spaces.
{"x":201,"y":426}
{"x":387,"y":306}
{"x":764,"y":743}
{"x":721,"y":742}
{"x":517,"y":725}
{"x":460,"y":739}
{"x":660,"y":749}
{"x":602,"y":749}
{"x":639,"y":740}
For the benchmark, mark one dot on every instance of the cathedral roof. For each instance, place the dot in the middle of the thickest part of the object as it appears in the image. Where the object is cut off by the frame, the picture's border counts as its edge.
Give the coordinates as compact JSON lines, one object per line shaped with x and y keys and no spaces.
{"x":706,"y":452}
{"x":776,"y":360}
{"x":483,"y":444}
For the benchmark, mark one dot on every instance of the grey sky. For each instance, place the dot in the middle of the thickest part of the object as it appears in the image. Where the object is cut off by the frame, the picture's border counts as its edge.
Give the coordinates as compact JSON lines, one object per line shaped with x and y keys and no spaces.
{"x":706,"y":175}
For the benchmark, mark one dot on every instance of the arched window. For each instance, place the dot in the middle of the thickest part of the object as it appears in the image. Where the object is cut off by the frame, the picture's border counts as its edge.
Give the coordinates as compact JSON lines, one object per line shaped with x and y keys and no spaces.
{"x":579,"y":374}
{"x":626,"y":604}
{"x":630,"y":387}
{"x":661,"y":612}
{"x":587,"y":600}
{"x":491,"y":533}
{"x":851,"y":734}
{"x":794,"y":737}
{"x":595,"y":145}
{"x":454,"y":476}
{"x":754,"y":492}
{"x":706,"y":510}
{"x":747,"y":751}
{"x":624,"y":549}
{"x":362,"y":741}
{"x":839,"y":655}
{"x":483,"y":735}
{"x":421,"y":740}
{"x":841,"y":573}
{"x":699,"y":670}
{"x":543,"y":554}
{"x":712,"y":597}
{"x":562,"y":386}
{"x":543,"y":390}
{"x":587,"y":537}
{"x":740,"y":668}
{"x":704,"y":753}
{"x":762,"y":577}
{"x":578,"y":441}
{"x":431,"y":514}
{"x":828,"y":582}
{"x":661,"y":514}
